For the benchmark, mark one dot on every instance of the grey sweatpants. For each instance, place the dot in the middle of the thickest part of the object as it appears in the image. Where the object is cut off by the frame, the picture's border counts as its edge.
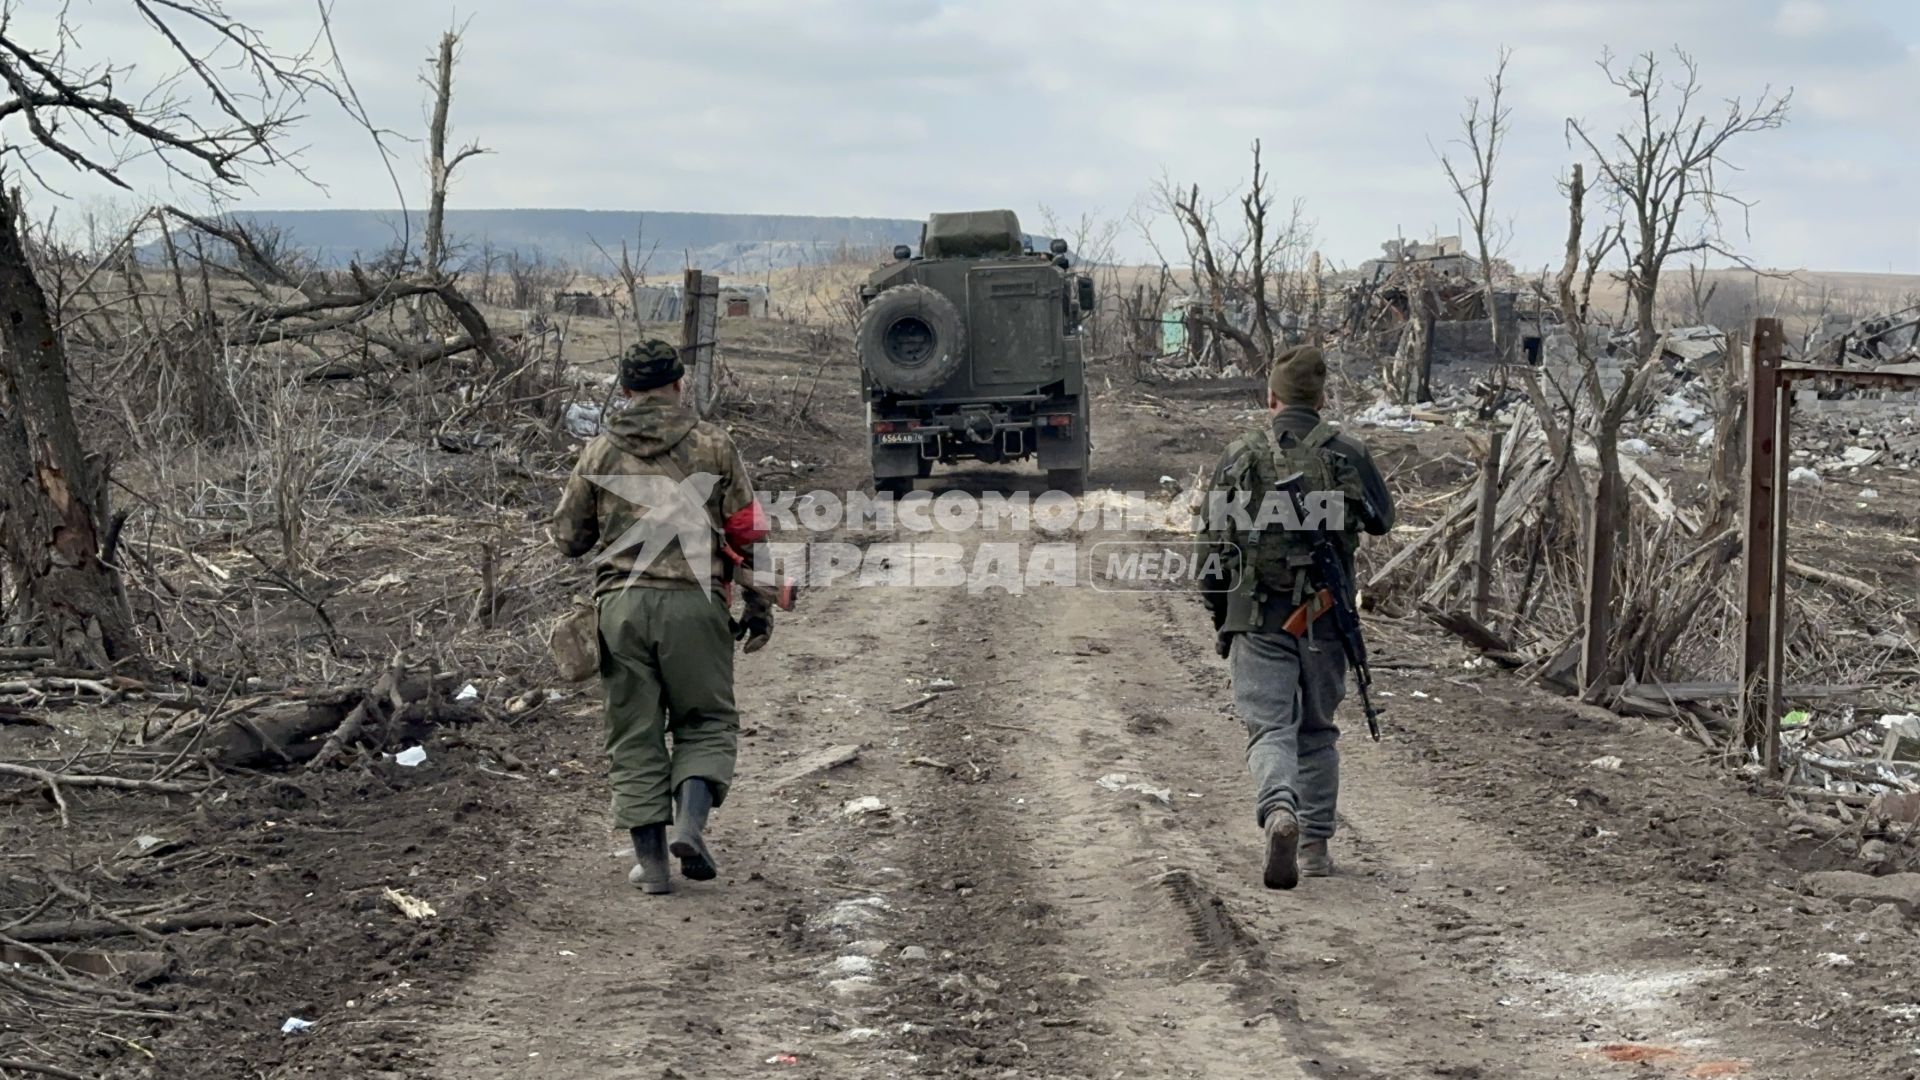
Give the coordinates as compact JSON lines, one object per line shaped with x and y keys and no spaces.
{"x":1285,"y":689}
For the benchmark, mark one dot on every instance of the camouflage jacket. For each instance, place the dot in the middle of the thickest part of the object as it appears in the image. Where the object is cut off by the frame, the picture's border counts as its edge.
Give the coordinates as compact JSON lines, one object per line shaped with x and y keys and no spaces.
{"x":644,"y":520}
{"x":1249,"y":607}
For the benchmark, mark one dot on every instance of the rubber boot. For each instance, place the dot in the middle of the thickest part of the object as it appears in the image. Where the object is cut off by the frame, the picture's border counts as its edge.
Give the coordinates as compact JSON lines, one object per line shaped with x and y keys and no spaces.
{"x":690,"y":808}
{"x":1315,"y":859}
{"x":649,"y":873}
{"x":1283,"y":850}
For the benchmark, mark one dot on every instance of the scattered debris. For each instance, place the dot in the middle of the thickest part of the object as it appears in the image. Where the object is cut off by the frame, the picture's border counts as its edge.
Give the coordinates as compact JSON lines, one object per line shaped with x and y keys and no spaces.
{"x":583,"y":419}
{"x":865,"y":805}
{"x":1122,"y":782}
{"x":411,"y":757}
{"x":1847,"y":885}
{"x":850,"y":965}
{"x":818,"y":762}
{"x":410,"y":906}
{"x":1386,"y":414}
{"x":147,"y":845}
{"x":1610,"y":763}
{"x":854,"y":986}
{"x":295,"y":1026}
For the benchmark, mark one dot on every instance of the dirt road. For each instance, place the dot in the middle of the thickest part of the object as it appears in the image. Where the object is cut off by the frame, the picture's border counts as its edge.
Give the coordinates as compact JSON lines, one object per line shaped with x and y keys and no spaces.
{"x":1038,"y":860}
{"x":1061,"y":879}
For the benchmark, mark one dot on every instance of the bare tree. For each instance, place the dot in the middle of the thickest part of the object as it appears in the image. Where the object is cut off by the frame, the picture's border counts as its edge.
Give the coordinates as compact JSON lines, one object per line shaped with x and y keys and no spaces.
{"x":1659,"y":174}
{"x":1092,"y":241}
{"x":633,"y":274}
{"x":1249,"y":275}
{"x":215,"y":116}
{"x":1482,"y":129}
{"x":439,"y":166}
{"x":533,"y":279}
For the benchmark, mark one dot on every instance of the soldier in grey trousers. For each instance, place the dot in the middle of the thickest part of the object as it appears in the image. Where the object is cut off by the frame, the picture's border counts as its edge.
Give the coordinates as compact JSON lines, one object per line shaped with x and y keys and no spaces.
{"x":1286,"y":689}
{"x":1289,"y":673}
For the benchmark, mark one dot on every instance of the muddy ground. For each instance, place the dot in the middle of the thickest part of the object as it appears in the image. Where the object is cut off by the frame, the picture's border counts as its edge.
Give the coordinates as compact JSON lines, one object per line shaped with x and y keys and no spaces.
{"x":1503,"y":908}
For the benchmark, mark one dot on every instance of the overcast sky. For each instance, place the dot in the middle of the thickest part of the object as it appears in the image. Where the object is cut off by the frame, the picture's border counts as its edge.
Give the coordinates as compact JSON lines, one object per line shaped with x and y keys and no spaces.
{"x":893,"y":108}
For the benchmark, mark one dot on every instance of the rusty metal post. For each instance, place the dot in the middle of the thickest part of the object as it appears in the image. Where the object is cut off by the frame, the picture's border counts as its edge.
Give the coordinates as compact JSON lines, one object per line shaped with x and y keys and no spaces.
{"x":1777,"y":606}
{"x":1764,"y":549}
{"x":1484,"y":526}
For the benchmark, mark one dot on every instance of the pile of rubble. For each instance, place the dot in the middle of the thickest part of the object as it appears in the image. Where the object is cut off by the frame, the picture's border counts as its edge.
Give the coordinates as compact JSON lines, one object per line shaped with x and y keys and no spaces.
{"x":1839,"y":448}
{"x":1183,"y":366}
{"x":1853,"y":760}
{"x":1843,"y":341}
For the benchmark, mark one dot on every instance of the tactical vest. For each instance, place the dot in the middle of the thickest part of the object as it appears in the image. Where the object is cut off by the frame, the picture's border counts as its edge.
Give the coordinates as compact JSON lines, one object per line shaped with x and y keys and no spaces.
{"x":1275,"y":559}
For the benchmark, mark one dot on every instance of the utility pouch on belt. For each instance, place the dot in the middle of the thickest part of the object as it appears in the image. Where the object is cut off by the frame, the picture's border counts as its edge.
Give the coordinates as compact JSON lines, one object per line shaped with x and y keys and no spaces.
{"x":575,"y":641}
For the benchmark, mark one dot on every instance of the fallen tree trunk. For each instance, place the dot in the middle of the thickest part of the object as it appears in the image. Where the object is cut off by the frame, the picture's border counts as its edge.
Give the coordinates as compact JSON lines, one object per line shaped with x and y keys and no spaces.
{"x":399,"y":707}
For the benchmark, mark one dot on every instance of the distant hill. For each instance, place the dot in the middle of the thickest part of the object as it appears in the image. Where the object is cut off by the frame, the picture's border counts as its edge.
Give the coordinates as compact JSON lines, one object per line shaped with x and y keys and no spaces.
{"x":729,"y":243}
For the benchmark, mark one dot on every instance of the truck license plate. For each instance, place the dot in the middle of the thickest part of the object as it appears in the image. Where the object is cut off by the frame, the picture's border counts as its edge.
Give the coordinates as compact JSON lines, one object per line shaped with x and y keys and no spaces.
{"x":900,"y":437}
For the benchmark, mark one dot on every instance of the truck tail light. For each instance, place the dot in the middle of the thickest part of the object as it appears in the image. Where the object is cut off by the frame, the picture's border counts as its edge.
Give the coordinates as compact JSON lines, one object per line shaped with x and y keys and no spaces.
{"x":1061,"y":420}
{"x":883,"y":427}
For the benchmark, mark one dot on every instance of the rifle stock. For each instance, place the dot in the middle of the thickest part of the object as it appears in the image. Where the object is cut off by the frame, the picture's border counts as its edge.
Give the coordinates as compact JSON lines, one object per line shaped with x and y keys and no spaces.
{"x":783,"y":593}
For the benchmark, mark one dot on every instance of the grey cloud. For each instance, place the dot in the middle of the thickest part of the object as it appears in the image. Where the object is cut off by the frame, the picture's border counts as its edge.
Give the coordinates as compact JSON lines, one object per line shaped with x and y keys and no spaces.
{"x":894,"y":107}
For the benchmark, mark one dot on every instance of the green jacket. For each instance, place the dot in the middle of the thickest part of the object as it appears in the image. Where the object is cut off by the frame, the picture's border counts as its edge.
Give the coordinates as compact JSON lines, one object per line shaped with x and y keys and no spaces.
{"x":1237,"y":600}
{"x":596,"y":508}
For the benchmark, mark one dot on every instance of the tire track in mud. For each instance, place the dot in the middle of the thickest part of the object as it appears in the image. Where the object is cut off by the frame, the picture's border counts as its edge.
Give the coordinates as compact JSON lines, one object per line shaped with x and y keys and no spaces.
{"x":1412,"y":962}
{"x":1006,"y":915}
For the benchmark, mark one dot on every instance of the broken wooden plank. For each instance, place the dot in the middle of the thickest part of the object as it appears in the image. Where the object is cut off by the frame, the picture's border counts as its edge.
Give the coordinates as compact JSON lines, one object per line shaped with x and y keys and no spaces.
{"x":818,"y":762}
{"x":1657,"y":693}
{"x":1828,"y":577}
{"x":1462,"y":511}
{"x":1477,"y":634}
{"x":1464,"y":626}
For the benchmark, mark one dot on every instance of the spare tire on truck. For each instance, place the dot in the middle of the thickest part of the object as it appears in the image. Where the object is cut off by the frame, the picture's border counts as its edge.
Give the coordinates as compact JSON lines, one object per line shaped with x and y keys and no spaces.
{"x":911,"y":339}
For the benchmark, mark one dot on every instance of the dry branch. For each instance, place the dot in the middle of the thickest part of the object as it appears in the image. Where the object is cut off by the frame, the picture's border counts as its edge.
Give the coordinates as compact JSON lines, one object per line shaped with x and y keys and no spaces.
{"x":122,"y":783}
{"x":84,"y":929}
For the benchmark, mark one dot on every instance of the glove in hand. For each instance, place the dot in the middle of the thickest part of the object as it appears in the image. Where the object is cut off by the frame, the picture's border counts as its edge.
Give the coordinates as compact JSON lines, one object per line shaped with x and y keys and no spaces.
{"x":756,"y":628}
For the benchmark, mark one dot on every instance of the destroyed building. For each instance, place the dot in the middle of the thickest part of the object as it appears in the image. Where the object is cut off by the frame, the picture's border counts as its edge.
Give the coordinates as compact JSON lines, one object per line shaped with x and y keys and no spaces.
{"x":1444,"y":259}
{"x":662,"y":302}
{"x":1451,"y":285}
{"x":1844,"y":341}
{"x":577,"y":302}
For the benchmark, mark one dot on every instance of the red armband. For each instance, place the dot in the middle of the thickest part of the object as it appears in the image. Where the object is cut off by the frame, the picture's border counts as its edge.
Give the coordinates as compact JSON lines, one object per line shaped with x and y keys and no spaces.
{"x":747,"y":527}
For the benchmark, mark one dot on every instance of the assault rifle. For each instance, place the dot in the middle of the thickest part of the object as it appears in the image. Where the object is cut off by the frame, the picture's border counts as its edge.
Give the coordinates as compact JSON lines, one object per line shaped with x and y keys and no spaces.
{"x":782,"y":593}
{"x":1329,"y":578}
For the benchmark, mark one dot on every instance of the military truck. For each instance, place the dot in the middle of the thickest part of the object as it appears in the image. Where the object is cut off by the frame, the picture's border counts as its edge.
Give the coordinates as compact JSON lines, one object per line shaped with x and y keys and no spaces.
{"x":971,"y":350}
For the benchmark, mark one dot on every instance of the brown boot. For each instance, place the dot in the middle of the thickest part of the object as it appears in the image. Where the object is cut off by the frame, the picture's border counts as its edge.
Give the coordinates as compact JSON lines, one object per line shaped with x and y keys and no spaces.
{"x":1315,"y":859}
{"x":1283,"y":849}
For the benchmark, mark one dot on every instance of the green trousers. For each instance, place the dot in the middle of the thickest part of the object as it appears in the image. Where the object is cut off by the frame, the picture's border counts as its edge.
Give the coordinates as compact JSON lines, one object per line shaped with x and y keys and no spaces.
{"x":666,"y":660}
